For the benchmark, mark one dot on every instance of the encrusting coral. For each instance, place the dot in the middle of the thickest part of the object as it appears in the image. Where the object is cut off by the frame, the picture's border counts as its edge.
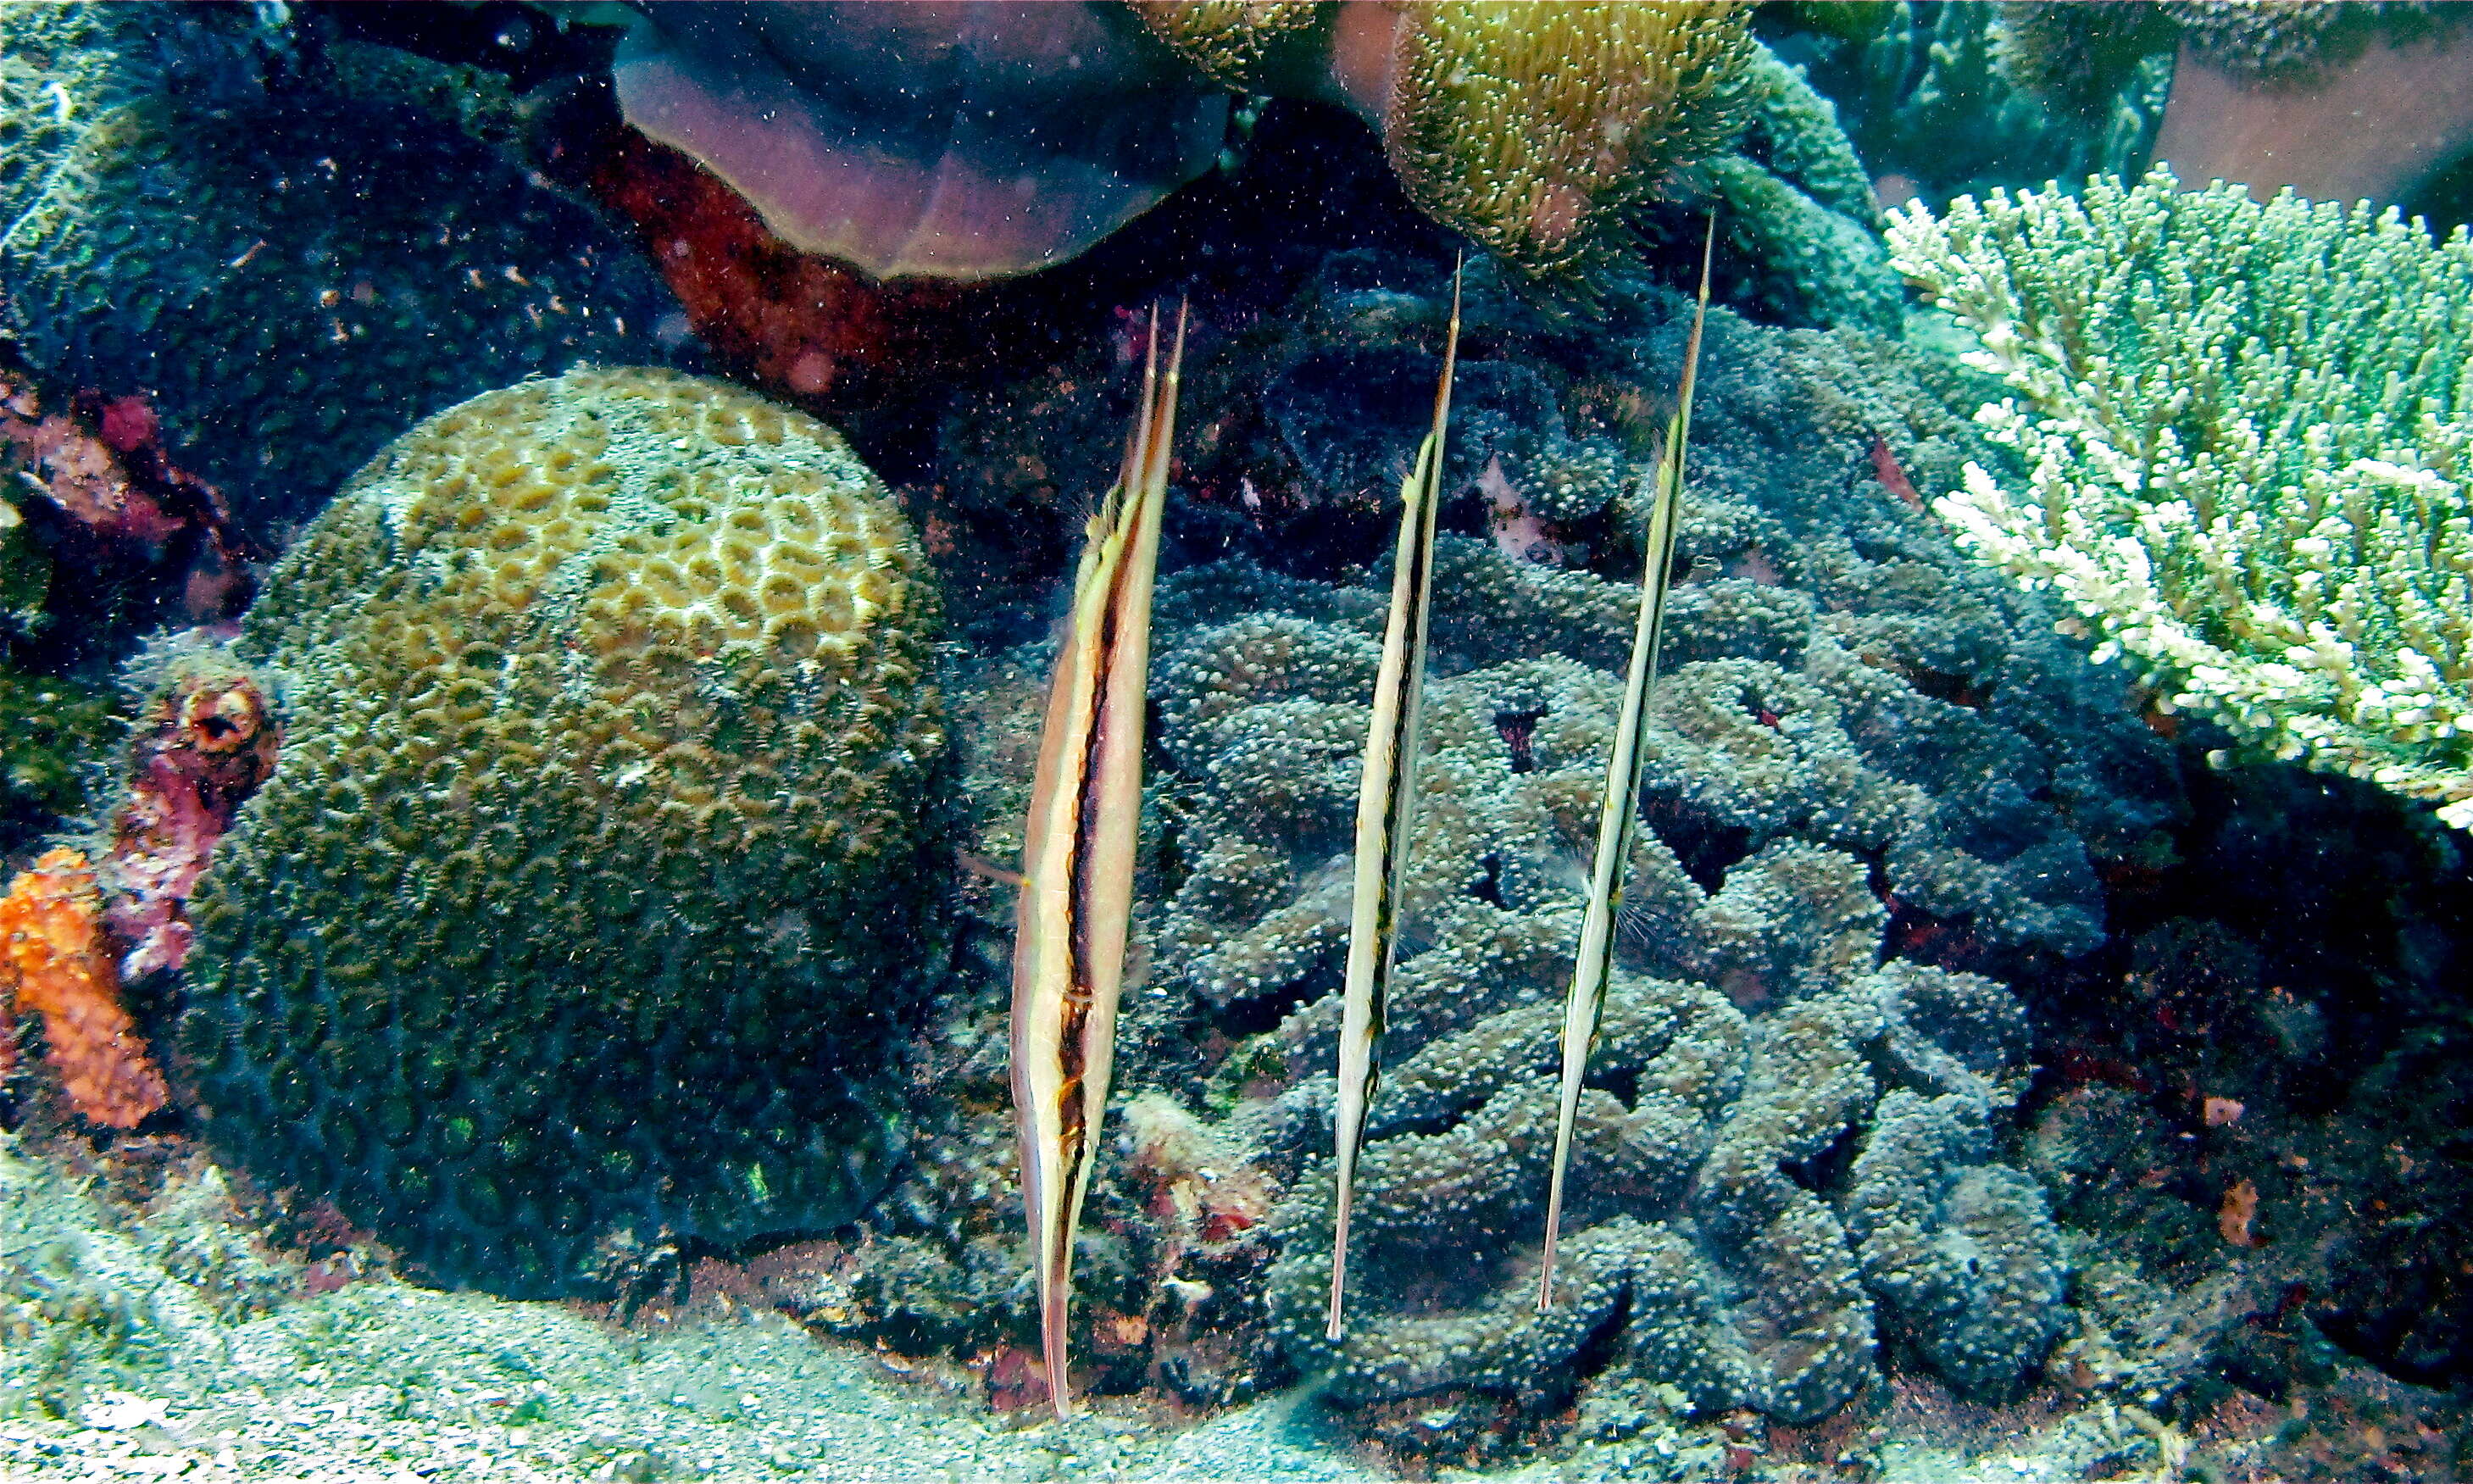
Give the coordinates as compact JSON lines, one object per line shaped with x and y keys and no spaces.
{"x":610,"y":789}
{"x":2247,"y":448}
{"x":1798,"y":233}
{"x":54,"y":947}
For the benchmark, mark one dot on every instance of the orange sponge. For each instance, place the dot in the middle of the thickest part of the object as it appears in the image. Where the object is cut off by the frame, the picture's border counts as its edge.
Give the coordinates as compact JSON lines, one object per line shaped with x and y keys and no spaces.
{"x":52,"y":940}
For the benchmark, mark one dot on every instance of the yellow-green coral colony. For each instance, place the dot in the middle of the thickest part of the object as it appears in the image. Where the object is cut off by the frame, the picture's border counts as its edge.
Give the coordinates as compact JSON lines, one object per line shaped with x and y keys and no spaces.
{"x":1529,"y":128}
{"x":588,"y":902}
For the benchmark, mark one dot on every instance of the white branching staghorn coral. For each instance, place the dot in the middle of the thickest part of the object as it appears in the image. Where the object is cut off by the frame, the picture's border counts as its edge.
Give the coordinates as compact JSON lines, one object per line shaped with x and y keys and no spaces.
{"x":2247,"y":437}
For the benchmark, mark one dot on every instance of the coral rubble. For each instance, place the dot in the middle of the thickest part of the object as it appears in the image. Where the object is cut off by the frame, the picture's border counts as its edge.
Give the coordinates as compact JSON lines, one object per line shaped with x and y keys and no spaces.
{"x":594,"y":886}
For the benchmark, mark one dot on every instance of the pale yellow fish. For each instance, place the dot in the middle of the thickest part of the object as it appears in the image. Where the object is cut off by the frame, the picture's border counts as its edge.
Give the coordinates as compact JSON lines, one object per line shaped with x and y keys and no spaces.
{"x":1387,"y":803}
{"x":1077,"y":891}
{"x":1619,"y":814}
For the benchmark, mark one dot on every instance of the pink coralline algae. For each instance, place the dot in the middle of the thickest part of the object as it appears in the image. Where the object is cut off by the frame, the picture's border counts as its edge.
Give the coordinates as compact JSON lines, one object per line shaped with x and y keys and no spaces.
{"x":113,"y":500}
{"x":206,"y":740}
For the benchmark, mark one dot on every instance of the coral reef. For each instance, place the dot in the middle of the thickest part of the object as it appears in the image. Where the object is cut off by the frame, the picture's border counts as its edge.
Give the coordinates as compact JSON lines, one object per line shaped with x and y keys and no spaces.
{"x":51,"y":727}
{"x":2338,"y":103}
{"x":289,"y":253}
{"x":2078,"y":61}
{"x":1861,"y":751}
{"x":2242,"y":1136}
{"x":1669,"y":1193}
{"x":2252,"y":489}
{"x":1961,"y":1251}
{"x":2295,"y":46}
{"x":608,"y":784}
{"x":798,"y":325}
{"x":1866,"y":749}
{"x":51,"y":933}
{"x":101,"y":483}
{"x":1799,"y":236}
{"x":1531,"y":131}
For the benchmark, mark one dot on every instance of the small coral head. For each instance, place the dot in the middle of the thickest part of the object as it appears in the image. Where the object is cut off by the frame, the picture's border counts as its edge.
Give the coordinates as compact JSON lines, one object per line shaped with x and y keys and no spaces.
{"x":223,"y":718}
{"x":1531,"y":127}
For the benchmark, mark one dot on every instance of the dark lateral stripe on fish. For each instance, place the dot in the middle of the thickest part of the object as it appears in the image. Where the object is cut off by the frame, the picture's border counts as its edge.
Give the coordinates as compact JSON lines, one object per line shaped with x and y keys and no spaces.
{"x":1073,"y":921}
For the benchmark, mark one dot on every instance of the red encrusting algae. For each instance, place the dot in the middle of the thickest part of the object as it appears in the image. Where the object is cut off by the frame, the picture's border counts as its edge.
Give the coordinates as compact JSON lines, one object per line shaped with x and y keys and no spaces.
{"x":798,"y":321}
{"x":207,"y":740}
{"x":114,"y":498}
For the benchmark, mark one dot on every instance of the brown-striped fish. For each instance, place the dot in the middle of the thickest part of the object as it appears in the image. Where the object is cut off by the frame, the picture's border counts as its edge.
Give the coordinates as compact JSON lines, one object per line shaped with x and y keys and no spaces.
{"x":1619,"y":814}
{"x":1387,"y":803}
{"x":1077,"y":891}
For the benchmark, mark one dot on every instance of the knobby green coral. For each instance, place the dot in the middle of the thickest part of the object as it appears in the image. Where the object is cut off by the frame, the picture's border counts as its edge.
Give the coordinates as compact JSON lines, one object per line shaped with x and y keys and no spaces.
{"x":2248,"y":437}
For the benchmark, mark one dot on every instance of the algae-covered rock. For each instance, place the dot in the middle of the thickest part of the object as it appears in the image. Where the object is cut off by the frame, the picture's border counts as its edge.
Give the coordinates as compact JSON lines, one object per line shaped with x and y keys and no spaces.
{"x":590,"y":892}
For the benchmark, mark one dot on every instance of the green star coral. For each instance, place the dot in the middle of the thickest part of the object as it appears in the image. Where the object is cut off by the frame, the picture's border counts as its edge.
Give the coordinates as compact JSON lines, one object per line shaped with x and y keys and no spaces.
{"x":2247,"y":432}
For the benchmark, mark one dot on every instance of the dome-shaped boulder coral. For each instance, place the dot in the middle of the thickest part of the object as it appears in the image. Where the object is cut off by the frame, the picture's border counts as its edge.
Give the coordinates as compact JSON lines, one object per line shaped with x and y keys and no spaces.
{"x":592,"y":890}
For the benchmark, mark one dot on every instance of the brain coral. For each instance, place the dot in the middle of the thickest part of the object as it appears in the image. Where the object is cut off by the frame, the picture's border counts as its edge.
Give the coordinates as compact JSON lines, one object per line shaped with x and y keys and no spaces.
{"x":591,"y":890}
{"x":279,"y":244}
{"x":1872,"y":779}
{"x":1752,"y":1059}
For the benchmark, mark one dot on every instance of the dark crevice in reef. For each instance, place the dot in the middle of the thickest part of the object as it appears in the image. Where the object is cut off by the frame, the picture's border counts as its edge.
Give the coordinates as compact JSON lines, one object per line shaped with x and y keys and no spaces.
{"x":1705,"y":847}
{"x":2277,"y":1014}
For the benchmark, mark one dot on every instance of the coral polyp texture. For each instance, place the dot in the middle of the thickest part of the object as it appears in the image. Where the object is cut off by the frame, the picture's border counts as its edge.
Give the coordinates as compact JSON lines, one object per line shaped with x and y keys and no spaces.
{"x":1531,"y":129}
{"x":1876,"y":786}
{"x":592,"y":893}
{"x":2249,"y":445}
{"x":1738,"y":1043}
